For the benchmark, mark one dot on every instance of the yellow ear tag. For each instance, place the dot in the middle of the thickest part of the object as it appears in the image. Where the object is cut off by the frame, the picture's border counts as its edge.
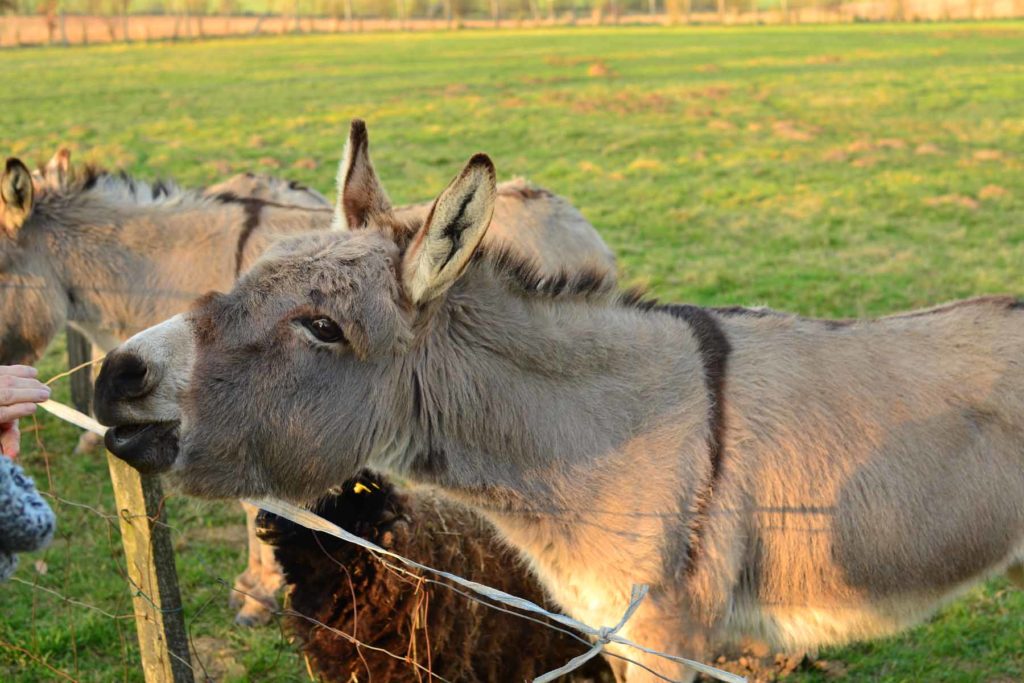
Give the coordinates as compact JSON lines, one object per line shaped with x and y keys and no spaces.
{"x":360,"y":488}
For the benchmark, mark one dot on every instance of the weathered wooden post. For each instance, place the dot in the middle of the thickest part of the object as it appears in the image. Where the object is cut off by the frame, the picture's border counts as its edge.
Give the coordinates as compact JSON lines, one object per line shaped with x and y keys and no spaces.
{"x":149,"y":554}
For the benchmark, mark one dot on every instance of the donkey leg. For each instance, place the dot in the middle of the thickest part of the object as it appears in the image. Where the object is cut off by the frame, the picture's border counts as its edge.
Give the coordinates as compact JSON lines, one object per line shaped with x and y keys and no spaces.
{"x":247,"y":580}
{"x":264,"y":578}
{"x":88,"y":443}
{"x":644,"y":668}
{"x":661,"y":632}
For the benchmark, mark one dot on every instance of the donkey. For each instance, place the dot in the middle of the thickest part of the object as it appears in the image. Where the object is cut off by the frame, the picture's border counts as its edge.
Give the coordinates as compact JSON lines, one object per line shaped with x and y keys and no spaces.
{"x":57,"y":173}
{"x":110,"y":255}
{"x":803,"y":481}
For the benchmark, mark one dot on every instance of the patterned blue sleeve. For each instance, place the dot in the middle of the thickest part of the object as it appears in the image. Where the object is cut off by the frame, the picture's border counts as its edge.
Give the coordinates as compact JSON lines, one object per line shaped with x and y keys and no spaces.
{"x":26,"y":521}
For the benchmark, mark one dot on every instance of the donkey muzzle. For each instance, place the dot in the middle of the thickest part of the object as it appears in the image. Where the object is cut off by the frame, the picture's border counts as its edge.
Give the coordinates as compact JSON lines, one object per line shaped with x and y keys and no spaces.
{"x":143,"y":430}
{"x":150,"y":448}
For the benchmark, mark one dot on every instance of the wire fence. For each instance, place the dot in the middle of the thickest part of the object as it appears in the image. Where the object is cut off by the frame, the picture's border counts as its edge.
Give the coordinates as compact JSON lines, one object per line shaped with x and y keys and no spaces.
{"x":91,"y":521}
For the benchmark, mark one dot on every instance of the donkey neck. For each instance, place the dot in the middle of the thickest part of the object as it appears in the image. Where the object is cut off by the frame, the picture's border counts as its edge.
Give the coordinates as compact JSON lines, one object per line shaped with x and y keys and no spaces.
{"x":582,"y":430}
{"x":523,"y":398}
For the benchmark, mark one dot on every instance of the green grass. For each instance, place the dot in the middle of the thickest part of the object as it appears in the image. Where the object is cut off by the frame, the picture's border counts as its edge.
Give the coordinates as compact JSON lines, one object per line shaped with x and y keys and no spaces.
{"x":833,"y":171}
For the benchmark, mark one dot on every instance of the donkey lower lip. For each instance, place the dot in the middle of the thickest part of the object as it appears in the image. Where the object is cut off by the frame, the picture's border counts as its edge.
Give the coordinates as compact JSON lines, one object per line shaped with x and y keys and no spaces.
{"x":150,"y":448}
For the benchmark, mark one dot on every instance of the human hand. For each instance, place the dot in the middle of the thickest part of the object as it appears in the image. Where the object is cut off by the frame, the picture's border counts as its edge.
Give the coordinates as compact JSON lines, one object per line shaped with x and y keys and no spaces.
{"x":20,"y":391}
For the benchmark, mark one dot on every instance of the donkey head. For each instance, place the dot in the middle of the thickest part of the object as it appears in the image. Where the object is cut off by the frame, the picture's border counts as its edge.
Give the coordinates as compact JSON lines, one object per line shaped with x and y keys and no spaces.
{"x":270,"y":189}
{"x":300,"y":375}
{"x":32,"y":308}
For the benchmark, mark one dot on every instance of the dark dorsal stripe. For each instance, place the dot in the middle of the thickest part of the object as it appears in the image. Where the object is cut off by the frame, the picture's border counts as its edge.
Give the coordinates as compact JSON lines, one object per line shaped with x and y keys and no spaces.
{"x":714,"y":349}
{"x":252,"y":208}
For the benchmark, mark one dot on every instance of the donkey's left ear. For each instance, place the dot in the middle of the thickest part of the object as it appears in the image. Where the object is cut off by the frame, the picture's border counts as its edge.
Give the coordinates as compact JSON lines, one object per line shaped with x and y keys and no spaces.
{"x":16,"y":196}
{"x":453,"y":230}
{"x":58,"y":169}
{"x":53,"y":177}
{"x":360,"y":193}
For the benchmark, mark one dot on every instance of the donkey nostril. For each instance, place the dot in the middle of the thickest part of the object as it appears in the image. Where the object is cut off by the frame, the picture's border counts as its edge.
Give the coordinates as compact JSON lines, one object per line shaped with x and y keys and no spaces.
{"x":132,"y":379}
{"x":128,"y":377}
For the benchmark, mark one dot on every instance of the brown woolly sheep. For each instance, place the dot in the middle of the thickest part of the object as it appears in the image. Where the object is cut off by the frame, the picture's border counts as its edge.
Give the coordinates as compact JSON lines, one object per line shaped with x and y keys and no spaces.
{"x":353,"y":592}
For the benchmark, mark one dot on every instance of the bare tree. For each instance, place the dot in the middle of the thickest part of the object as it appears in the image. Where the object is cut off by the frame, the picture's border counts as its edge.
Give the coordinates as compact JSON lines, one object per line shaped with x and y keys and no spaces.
{"x":48,"y":10}
{"x":62,"y":24}
{"x":124,"y":5}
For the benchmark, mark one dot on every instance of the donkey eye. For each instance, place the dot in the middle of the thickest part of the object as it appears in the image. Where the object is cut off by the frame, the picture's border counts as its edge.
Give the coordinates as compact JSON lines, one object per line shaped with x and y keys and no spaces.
{"x":324,"y":329}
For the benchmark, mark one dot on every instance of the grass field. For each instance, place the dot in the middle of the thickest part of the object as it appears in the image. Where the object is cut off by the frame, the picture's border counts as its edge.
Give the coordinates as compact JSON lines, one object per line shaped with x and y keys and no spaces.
{"x":836,"y":171}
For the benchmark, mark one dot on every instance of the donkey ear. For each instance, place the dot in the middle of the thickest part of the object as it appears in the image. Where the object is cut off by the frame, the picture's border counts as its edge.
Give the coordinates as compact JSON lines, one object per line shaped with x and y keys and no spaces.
{"x":360,"y":194}
{"x":55,"y":175}
{"x":453,"y":230}
{"x":16,"y":196}
{"x":58,"y":169}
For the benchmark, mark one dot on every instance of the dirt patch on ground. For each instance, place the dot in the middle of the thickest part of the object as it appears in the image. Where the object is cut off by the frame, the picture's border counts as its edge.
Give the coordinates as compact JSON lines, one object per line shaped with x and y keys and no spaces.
{"x":600,"y":69}
{"x":214,"y":660}
{"x":824,"y":59}
{"x":993,"y":192}
{"x":789,"y":130}
{"x":987,"y":155}
{"x":645,"y":164}
{"x":953,"y":199}
{"x":618,"y":103}
{"x":714,"y":92}
{"x":890,"y":143}
{"x":835,"y":156}
{"x":759,"y":665}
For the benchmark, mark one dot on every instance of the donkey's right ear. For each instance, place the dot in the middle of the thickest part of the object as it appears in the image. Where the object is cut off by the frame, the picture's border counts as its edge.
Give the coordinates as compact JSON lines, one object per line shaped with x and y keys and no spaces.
{"x":360,"y":194}
{"x":452,"y":232}
{"x":16,"y":196}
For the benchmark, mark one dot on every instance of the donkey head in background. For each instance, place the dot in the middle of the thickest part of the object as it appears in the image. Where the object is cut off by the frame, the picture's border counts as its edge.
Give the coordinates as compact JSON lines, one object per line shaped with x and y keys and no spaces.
{"x":32,"y":305}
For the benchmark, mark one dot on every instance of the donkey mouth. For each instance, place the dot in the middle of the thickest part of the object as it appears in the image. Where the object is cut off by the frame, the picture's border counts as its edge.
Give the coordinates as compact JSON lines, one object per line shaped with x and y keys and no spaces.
{"x":150,"y":447}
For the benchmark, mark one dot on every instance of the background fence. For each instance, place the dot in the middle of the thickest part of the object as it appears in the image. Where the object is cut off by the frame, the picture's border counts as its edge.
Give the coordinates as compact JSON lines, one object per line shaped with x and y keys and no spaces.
{"x":34,"y":22}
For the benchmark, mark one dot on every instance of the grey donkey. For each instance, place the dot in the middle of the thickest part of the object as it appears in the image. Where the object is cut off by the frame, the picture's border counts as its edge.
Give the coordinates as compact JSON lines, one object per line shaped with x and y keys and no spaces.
{"x":807,"y":482}
{"x":111,"y":255}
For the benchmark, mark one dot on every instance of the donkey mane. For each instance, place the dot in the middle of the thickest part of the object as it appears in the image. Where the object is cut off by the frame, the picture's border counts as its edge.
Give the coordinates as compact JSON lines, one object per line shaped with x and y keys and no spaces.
{"x":526,"y":276}
{"x":121,"y":188}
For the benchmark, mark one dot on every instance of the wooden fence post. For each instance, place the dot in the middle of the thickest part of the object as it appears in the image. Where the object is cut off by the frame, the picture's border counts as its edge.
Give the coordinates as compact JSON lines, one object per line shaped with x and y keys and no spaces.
{"x":148,"y":550}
